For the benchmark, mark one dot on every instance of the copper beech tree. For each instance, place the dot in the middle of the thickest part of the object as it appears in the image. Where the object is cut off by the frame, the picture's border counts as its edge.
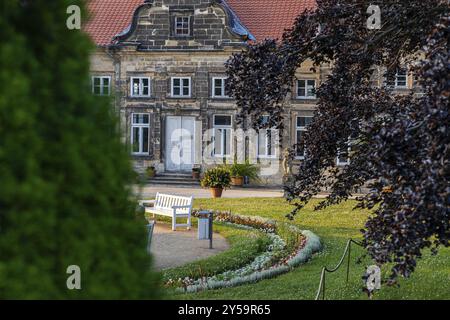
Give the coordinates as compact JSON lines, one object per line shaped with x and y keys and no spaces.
{"x":399,"y":144}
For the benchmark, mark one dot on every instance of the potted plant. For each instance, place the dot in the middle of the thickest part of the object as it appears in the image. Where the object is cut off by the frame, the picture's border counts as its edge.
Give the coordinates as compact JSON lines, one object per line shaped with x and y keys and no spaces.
{"x":240,"y":170}
{"x":216,"y":179}
{"x":237,"y":174}
{"x":196,"y":173}
{"x":151,"y":172}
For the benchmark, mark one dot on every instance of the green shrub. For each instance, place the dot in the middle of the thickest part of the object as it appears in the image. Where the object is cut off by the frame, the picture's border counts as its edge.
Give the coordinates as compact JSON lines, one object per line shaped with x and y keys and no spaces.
{"x":151,"y":172}
{"x":64,"y":174}
{"x":244,"y":170}
{"x":216,"y":178}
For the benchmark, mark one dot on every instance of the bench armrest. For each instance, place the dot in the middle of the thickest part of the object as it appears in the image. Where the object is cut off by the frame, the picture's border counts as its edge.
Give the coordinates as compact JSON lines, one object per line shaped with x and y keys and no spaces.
{"x":143,"y":202}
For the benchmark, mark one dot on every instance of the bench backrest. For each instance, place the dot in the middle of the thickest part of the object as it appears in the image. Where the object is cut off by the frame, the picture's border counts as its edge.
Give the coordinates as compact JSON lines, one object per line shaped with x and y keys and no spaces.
{"x":166,"y":201}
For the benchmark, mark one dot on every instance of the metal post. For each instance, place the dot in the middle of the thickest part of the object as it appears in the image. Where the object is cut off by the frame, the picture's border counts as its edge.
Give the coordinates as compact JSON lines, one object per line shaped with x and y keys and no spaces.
{"x":348,"y":260}
{"x":323,"y":287}
{"x":211,"y":218}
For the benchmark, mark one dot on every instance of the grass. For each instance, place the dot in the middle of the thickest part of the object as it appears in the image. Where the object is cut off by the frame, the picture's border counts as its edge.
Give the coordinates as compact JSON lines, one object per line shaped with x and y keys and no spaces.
{"x":245,"y":246}
{"x":335,"y":225}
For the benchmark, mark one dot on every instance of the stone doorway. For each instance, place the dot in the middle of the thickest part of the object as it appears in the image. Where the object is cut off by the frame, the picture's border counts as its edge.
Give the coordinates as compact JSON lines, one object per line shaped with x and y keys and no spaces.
{"x":180,"y":143}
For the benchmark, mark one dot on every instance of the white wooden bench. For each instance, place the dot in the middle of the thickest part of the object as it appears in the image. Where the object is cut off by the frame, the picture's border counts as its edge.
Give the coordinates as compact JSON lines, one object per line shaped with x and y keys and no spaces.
{"x":171,"y":206}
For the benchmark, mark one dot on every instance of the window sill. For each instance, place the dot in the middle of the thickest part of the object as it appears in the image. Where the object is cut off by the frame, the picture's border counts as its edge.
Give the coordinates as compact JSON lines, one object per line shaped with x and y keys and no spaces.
{"x":140,"y":154}
{"x":221,"y":98}
{"x":181,"y":97}
{"x":140,"y":97}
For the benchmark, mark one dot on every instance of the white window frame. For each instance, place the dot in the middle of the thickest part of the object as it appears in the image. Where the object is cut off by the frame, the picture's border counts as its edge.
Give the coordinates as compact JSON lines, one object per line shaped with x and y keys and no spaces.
{"x":181,"y":87}
{"x":306,"y":96}
{"x":222,"y":142}
{"x":141,"y":87}
{"x":344,"y":163}
{"x":188,"y":26}
{"x":302,"y":129}
{"x":102,"y":79}
{"x":396,"y":85}
{"x":141,"y":126}
{"x":267,"y":141}
{"x":213,"y":85}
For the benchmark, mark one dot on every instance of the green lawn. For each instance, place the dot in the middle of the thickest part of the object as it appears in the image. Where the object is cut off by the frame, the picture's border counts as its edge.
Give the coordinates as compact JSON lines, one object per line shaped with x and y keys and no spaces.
{"x":335,"y":226}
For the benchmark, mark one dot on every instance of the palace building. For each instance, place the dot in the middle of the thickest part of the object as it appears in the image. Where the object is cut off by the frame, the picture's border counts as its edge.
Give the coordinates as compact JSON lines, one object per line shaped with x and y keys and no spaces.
{"x":163,"y":62}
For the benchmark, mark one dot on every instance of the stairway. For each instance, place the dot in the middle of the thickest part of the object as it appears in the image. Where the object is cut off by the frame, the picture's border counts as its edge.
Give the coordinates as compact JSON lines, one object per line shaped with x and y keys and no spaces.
{"x":174,"y":179}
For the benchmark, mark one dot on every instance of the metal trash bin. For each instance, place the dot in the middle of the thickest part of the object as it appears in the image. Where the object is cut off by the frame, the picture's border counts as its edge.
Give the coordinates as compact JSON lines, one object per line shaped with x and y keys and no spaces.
{"x":205,"y":227}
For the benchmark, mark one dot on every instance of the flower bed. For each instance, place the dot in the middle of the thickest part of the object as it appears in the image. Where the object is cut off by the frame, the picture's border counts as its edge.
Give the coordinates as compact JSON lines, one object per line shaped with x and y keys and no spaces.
{"x":259,"y":223}
{"x":245,"y":246}
{"x":279,"y":258}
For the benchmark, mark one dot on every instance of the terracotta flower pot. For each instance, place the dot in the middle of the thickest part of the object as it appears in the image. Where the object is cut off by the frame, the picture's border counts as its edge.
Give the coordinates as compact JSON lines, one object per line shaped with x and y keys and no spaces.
{"x":237,"y":181}
{"x":195,"y":175}
{"x":216,"y":192}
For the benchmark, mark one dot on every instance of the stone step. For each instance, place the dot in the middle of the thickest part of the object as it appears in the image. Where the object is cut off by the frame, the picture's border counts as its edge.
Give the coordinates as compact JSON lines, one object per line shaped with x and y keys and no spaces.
{"x":173,"y":178}
{"x":179,"y":179}
{"x":174,"y":182}
{"x":174,"y":174}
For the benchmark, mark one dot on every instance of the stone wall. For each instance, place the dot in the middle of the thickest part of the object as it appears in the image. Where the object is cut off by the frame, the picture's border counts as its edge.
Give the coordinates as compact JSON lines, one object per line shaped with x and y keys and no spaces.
{"x":209,"y":26}
{"x":202,"y":67}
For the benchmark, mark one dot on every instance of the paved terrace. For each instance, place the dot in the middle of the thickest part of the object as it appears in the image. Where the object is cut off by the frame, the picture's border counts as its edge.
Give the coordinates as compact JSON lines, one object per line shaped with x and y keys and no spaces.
{"x":172,"y":249}
{"x":149,"y":191}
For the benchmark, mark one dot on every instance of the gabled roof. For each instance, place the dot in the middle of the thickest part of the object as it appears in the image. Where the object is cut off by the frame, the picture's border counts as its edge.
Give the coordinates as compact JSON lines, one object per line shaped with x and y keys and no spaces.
{"x":263,"y":18}
{"x":269,"y":18}
{"x":108,"y":18}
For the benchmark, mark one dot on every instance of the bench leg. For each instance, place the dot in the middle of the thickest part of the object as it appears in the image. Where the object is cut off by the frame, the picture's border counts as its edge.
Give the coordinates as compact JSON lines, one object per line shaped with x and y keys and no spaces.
{"x":189,"y":222}
{"x":174,"y":223}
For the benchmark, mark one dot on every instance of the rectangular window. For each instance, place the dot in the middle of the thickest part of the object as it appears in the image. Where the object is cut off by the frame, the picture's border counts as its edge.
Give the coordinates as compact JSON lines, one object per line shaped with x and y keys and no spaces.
{"x":181,"y":87}
{"x":267,"y":143}
{"x":343,"y":155}
{"x":140,"y":87}
{"x":306,"y":89}
{"x":222,"y":136}
{"x":301,"y":127}
{"x":400,"y":80}
{"x":140,"y":133}
{"x":218,"y":88}
{"x":182,"y":26}
{"x":101,"y":86}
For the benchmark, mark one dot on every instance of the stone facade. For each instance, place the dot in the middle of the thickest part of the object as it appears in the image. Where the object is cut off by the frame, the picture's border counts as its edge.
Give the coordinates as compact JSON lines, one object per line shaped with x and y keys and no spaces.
{"x":180,"y":47}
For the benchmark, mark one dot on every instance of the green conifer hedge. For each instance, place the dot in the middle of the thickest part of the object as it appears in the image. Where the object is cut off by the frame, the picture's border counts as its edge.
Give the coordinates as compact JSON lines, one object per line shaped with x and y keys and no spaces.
{"x":65,"y":177}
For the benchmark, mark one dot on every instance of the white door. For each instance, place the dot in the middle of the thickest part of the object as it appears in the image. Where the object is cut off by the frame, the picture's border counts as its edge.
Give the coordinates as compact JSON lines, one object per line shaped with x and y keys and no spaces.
{"x":180,"y":143}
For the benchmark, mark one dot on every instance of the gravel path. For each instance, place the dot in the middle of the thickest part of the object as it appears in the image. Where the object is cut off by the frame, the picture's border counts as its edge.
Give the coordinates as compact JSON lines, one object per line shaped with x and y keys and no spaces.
{"x":173,"y":249}
{"x":149,"y":191}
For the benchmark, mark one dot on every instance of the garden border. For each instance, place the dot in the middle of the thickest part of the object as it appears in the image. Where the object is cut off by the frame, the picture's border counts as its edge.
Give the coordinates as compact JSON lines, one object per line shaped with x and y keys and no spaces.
{"x":312,"y":245}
